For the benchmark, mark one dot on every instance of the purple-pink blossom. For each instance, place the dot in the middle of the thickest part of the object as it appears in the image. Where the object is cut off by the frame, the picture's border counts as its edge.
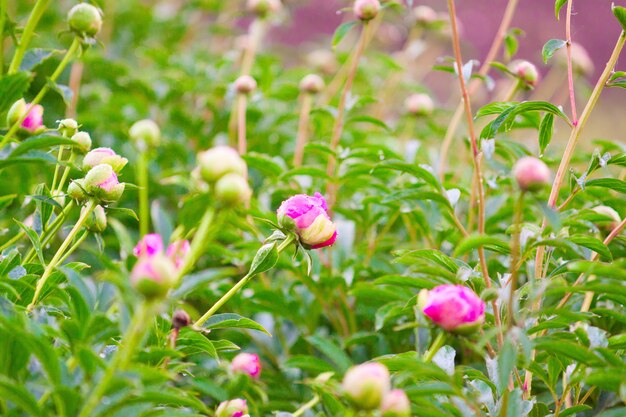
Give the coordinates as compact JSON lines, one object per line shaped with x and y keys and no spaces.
{"x":177,"y":251}
{"x":150,"y":245}
{"x":247,"y":363}
{"x":453,"y":306}
{"x":308,"y":215}
{"x":34,"y":117}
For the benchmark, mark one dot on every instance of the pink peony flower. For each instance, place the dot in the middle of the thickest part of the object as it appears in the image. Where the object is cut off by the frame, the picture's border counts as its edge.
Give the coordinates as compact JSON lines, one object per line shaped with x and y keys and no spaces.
{"x":531,"y":173}
{"x":150,"y":245}
{"x":366,"y":385}
{"x":308,"y":217}
{"x":177,"y":251}
{"x":247,"y":363}
{"x":366,"y":9}
{"x":396,"y":404}
{"x":34,"y":118}
{"x":453,"y":307}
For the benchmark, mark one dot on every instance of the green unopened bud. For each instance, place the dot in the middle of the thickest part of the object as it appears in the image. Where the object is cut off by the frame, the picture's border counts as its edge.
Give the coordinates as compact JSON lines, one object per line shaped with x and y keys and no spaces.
{"x":97,"y":220}
{"x":219,"y":161}
{"x":76,"y":190}
{"x":102,"y":183}
{"x":83,"y":142}
{"x":145,"y":131}
{"x":232,"y":189}
{"x":16,"y":112}
{"x":263,"y":8}
{"x":68,"y":127}
{"x":366,"y":9}
{"x":85,"y":20}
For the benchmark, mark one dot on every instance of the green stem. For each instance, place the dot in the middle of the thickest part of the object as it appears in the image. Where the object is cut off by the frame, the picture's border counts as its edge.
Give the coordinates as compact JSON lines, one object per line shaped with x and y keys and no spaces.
{"x":49,"y":233}
{"x":66,"y":59}
{"x":434,"y":348}
{"x":130,"y":342}
{"x":27,"y":34}
{"x":515,"y":255}
{"x":57,"y":169}
{"x":235,"y":289}
{"x":74,"y":246}
{"x":142,"y":182}
{"x":3,"y":18}
{"x":66,"y":173}
{"x":197,"y":244}
{"x":60,"y":252}
{"x":306,"y":406}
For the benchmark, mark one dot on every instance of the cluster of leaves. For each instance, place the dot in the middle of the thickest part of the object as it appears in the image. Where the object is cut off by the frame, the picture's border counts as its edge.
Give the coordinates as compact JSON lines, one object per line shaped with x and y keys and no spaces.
{"x":402,"y":228}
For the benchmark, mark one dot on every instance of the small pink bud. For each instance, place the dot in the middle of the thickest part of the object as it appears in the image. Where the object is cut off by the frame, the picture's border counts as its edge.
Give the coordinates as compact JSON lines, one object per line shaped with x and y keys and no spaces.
{"x":246,"y":363}
{"x":425,"y":16}
{"x":366,"y":385}
{"x":232,"y":408}
{"x":153,"y":276}
{"x":419,"y":105}
{"x":177,"y":252}
{"x":150,"y":245}
{"x":396,"y":404}
{"x":366,"y":9}
{"x":263,"y":8}
{"x":101,"y":182}
{"x":308,"y":217}
{"x":312,"y":84}
{"x":531,"y":173}
{"x":525,"y":71}
{"x":33,"y":120}
{"x":107,"y":156}
{"x":453,"y":307}
{"x":245,"y":84}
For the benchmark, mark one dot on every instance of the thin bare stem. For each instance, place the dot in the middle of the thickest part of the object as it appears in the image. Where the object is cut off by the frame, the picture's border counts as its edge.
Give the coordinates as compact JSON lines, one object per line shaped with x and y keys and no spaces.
{"x":242,"y":144}
{"x":570,"y":72}
{"x":76,"y":75}
{"x":303,"y":129}
{"x":29,"y":30}
{"x":331,"y":188}
{"x":507,"y":17}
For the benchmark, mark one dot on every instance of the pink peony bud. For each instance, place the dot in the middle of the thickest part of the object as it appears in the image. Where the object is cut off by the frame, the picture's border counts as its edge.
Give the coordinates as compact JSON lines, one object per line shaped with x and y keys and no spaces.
{"x":180,"y":319}
{"x":150,"y":245}
{"x":425,"y":16}
{"x":396,"y":404}
{"x":525,"y":71}
{"x":366,"y":385}
{"x":104,"y":156}
{"x":246,"y":363}
{"x":232,"y":408}
{"x":308,"y":217}
{"x":177,"y":252}
{"x":312,"y":84}
{"x":531,"y":173}
{"x":419,"y":105}
{"x":101,"y":182}
{"x":452,"y":307}
{"x":34,"y":115}
{"x":366,"y":9}
{"x":245,"y":84}
{"x":153,"y":276}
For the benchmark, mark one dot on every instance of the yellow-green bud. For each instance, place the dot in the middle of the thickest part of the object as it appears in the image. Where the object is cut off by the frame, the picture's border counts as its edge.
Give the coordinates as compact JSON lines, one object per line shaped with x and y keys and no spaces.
{"x":68,"y":127}
{"x":85,"y":20}
{"x":232,"y":189}
{"x":76,"y":190}
{"x":97,"y":220}
{"x":83,"y":142}
{"x":145,"y":131}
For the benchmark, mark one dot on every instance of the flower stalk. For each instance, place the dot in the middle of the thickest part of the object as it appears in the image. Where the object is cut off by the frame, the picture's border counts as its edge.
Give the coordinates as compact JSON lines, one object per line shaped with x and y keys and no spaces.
{"x":29,"y":30}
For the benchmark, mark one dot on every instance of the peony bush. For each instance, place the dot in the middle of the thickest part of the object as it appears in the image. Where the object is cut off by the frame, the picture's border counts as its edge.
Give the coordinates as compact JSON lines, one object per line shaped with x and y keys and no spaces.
{"x":198,"y":218}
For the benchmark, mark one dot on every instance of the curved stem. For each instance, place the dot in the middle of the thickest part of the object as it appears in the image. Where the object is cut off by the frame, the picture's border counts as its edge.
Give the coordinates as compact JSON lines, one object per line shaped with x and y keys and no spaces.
{"x":130,"y":342}
{"x":66,"y":173}
{"x":507,"y":17}
{"x":74,"y":246}
{"x":66,"y":59}
{"x":331,"y":188}
{"x":303,"y":129}
{"x":142,"y":182}
{"x":312,"y":403}
{"x":235,"y":289}
{"x":57,"y":169}
{"x":3,"y":19}
{"x":435,"y":346}
{"x":60,"y":252}
{"x":27,"y":34}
